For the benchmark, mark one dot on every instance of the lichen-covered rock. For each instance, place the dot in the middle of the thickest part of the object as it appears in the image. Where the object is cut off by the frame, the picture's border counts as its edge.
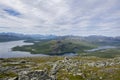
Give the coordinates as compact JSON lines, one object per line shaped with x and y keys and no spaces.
{"x":34,"y":75}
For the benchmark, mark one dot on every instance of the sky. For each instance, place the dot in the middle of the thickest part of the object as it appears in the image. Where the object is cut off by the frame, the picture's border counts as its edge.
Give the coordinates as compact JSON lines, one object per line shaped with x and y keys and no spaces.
{"x":61,"y":17}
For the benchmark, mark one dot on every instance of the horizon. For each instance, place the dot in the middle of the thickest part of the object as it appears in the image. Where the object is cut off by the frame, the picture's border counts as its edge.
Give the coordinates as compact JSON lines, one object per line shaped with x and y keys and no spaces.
{"x":54,"y":35}
{"x":61,"y":17}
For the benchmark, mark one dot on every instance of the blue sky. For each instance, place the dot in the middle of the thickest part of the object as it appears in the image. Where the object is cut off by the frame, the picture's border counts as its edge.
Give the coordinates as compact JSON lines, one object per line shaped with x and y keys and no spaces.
{"x":61,"y":17}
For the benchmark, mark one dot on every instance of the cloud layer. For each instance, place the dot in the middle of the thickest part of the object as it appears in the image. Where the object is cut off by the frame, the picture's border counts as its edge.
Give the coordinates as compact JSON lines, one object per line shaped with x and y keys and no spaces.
{"x":61,"y":17}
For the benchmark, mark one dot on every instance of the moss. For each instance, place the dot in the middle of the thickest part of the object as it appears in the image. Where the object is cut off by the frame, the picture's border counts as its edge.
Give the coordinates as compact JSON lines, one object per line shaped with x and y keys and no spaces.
{"x":8,"y":74}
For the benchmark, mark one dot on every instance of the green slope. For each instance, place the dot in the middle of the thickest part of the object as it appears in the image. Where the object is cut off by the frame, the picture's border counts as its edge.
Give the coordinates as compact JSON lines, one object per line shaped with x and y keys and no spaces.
{"x":56,"y":47}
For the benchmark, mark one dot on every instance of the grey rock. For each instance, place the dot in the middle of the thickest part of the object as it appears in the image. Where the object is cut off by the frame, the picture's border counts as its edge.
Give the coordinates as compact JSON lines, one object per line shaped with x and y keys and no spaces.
{"x":34,"y":75}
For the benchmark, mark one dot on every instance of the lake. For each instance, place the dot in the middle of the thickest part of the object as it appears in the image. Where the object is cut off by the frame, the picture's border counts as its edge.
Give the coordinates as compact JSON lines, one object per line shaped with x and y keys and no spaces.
{"x":101,"y":48}
{"x":6,"y":49}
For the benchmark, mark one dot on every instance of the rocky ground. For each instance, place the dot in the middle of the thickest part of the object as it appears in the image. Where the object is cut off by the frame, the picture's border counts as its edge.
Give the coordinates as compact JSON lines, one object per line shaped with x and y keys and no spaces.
{"x":60,"y":68}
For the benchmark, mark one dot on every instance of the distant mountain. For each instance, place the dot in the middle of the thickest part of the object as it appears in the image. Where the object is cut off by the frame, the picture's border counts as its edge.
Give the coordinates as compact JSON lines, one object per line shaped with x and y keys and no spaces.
{"x":38,"y":36}
{"x":15,"y":36}
{"x":11,"y":37}
{"x":96,"y":40}
{"x":103,"y":40}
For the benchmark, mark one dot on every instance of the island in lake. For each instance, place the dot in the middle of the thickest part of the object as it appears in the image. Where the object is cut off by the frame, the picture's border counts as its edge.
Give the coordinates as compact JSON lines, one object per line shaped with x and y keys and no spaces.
{"x":62,"y":45}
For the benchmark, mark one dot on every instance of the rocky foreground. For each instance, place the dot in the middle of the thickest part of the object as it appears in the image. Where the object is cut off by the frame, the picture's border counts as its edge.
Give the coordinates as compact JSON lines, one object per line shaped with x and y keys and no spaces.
{"x":60,"y":68}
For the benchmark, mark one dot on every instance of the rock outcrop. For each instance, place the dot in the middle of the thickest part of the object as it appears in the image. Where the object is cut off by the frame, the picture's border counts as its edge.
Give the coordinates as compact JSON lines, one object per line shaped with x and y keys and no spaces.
{"x":34,"y":75}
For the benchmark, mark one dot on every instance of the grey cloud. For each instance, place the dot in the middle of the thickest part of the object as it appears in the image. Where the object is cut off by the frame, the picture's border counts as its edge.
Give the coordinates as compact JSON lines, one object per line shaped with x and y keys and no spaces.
{"x":63,"y":17}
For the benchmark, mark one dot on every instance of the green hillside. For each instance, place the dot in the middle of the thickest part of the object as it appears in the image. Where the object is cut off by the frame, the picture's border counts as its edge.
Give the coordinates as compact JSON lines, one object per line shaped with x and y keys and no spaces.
{"x":56,"y":47}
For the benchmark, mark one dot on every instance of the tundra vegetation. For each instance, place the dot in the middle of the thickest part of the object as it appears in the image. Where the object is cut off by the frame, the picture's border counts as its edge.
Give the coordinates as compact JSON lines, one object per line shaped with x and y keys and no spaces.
{"x":60,"y":68}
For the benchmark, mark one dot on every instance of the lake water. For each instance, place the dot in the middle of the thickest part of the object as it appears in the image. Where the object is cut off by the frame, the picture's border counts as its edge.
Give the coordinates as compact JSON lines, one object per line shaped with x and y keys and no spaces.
{"x":101,"y":48}
{"x":6,"y":52}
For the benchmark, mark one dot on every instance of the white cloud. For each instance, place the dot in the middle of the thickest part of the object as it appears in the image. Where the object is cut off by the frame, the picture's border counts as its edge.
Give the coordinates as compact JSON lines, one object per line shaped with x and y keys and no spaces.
{"x":62,"y":17}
